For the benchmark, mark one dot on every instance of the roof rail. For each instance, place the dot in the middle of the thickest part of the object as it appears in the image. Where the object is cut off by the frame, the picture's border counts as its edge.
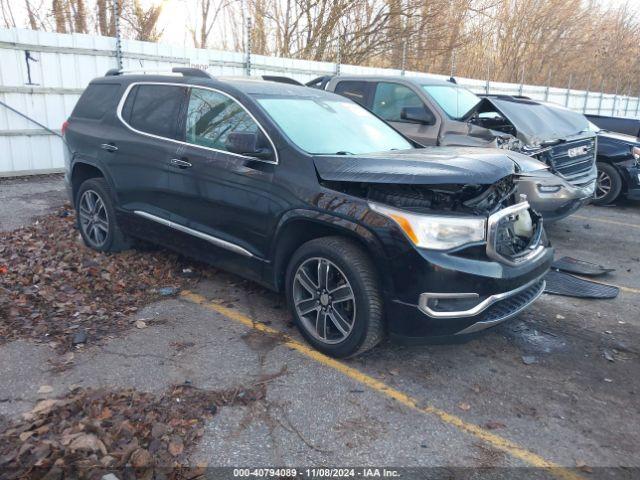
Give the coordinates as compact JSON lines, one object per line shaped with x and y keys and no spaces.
{"x":184,"y":71}
{"x":281,"y":79}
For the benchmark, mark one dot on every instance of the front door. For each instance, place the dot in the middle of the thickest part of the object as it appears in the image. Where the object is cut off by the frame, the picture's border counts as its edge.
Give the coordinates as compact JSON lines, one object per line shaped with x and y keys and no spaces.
{"x":215,"y":192}
{"x":388,"y":101}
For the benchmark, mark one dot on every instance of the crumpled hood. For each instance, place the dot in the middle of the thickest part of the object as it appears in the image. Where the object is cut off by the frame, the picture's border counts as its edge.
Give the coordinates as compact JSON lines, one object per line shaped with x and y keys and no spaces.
{"x":539,"y":122}
{"x":421,"y":166}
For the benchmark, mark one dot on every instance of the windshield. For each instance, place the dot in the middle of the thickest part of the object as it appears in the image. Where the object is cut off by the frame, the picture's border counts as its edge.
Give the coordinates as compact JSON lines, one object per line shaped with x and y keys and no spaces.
{"x":332,"y":126}
{"x":455,"y":101}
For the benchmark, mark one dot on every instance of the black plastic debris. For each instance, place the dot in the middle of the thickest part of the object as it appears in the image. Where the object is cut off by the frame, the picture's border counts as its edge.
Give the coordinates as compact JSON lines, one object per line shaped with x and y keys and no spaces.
{"x":580,"y":267}
{"x":561,"y":283}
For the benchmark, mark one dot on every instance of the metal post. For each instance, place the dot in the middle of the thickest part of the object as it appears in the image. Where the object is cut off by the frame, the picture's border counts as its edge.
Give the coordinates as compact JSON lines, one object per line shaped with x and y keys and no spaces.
{"x":404,"y":57}
{"x":339,"y":55}
{"x":601,"y":95}
{"x":586,"y":95}
{"x":566,"y":100}
{"x":546,"y":90}
{"x":247,"y":60}
{"x":487,"y":84}
{"x":626,"y":104}
{"x":453,"y":63}
{"x":615,"y":98}
{"x":522,"y":81}
{"x":116,"y":21}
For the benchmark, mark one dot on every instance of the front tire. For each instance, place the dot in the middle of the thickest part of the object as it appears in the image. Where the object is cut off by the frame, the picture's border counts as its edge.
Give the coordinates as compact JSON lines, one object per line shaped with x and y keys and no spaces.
{"x":608,"y":184}
{"x":333,"y":293}
{"x":96,"y":217}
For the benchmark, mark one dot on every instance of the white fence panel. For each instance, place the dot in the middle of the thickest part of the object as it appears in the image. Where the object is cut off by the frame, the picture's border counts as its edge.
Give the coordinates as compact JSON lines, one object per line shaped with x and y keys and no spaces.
{"x":65,"y":63}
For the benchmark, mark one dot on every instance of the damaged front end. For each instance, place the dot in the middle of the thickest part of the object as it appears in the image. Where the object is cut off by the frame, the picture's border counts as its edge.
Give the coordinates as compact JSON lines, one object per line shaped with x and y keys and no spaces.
{"x":441,"y":213}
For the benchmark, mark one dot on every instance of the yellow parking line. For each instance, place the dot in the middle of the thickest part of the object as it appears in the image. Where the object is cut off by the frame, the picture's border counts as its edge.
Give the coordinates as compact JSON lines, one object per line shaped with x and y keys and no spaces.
{"x":496,"y":441}
{"x":602,"y":220}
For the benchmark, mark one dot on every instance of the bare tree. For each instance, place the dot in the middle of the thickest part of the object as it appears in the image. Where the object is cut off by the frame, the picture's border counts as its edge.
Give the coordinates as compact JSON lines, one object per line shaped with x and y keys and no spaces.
{"x":144,"y":21}
{"x":208,"y":13}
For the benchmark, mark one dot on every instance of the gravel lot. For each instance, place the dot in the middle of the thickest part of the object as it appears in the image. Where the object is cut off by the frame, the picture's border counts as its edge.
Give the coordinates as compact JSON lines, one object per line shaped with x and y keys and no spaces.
{"x":576,"y":405}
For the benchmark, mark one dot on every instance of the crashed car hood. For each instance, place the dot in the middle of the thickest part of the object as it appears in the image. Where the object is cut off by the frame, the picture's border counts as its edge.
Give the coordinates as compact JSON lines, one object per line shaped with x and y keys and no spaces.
{"x":420,"y":166}
{"x":538,"y":122}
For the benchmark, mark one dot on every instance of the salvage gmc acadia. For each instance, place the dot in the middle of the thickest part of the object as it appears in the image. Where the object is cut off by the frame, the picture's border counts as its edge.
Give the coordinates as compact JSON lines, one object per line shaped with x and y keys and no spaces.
{"x":306,"y":192}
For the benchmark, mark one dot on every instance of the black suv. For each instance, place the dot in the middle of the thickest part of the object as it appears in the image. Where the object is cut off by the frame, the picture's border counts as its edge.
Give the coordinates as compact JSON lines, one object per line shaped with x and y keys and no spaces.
{"x":305,"y":191}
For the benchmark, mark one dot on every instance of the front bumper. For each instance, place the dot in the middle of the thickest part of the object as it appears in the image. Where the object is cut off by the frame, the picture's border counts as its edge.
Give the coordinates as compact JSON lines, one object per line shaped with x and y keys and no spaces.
{"x":552,"y":196}
{"x":488,"y":293}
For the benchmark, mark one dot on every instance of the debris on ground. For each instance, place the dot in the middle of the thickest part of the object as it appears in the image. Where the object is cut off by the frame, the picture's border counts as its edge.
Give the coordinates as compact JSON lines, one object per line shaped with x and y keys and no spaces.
{"x":529,"y":359}
{"x":53,"y":289}
{"x":93,"y":433}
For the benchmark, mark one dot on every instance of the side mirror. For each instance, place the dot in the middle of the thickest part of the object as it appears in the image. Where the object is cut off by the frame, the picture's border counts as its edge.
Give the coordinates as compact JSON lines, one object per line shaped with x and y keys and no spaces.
{"x":246,"y":143}
{"x":418,"y":115}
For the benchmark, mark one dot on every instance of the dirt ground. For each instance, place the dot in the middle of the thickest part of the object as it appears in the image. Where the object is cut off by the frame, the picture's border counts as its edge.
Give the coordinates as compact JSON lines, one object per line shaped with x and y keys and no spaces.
{"x":574,"y":403}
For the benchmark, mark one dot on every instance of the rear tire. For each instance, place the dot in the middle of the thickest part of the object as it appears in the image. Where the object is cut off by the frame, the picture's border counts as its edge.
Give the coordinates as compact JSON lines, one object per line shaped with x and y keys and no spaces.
{"x":608,"y":184}
{"x":96,"y":217}
{"x":334,"y":296}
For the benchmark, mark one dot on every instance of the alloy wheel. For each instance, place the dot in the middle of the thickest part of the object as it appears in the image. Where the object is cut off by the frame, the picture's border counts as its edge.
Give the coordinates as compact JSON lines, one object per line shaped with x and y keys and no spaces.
{"x":603,"y":185}
{"x":94,"y":220}
{"x":324,"y":300}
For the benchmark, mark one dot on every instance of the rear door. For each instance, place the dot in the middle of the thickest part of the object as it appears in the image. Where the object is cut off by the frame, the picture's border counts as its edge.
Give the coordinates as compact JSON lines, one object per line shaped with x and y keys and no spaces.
{"x":389,"y":98}
{"x":139,"y":150}
{"x":357,"y":90}
{"x":221,"y":194}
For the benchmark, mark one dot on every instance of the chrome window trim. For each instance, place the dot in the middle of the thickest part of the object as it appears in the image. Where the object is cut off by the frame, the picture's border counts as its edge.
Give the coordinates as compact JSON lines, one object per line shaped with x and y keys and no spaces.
{"x":126,"y":93}
{"x":479,"y":308}
{"x":492,"y":226}
{"x":218,"y":242}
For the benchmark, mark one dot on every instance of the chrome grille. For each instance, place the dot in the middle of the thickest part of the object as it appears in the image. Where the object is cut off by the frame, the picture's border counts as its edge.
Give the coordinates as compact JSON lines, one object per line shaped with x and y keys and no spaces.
{"x":504,"y":245}
{"x":573,"y":160}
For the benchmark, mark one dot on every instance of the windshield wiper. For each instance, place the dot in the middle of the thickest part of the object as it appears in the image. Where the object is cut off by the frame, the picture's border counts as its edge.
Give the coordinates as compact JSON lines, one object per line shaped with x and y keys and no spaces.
{"x":343,"y":152}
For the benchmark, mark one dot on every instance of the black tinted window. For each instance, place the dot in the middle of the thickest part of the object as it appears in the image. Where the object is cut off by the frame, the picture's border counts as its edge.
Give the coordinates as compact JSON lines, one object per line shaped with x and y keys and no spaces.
{"x":391,"y":98}
{"x":356,"y":91}
{"x":154,"y":109}
{"x":97,"y":100}
{"x":212,"y":116}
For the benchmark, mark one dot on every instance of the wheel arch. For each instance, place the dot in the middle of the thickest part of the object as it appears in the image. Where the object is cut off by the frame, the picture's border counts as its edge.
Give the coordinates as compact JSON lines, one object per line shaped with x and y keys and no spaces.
{"x":300,"y":226}
{"x":81,"y":172}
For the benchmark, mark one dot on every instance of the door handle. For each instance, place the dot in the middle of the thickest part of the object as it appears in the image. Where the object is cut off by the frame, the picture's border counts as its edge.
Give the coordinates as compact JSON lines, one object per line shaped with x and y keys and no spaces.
{"x":178,"y":163}
{"x":109,"y":147}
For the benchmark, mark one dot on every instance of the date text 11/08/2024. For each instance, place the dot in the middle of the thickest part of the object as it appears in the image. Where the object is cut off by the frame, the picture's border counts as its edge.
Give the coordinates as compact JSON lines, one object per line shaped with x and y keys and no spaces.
{"x":316,"y":472}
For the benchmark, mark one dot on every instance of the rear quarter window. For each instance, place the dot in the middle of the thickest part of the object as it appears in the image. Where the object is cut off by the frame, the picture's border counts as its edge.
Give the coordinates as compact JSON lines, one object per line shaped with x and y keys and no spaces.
{"x":355,"y":90}
{"x":154,"y":109}
{"x":96,"y":100}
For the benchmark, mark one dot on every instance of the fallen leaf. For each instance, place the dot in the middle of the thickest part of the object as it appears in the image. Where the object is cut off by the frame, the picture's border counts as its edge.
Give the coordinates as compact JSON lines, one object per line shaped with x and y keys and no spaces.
{"x":141,"y":458}
{"x":141,"y":324}
{"x":88,"y":442}
{"x":45,"y":389}
{"x":492,"y":425}
{"x":176,"y":447}
{"x":464,"y":406}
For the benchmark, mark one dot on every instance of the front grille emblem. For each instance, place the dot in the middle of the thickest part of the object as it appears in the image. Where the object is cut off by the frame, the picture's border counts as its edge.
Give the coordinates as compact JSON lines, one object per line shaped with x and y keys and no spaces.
{"x":578,"y":151}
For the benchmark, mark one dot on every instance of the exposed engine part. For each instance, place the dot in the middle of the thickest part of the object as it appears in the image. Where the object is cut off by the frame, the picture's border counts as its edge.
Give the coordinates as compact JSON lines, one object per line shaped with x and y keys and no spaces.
{"x":477,"y":199}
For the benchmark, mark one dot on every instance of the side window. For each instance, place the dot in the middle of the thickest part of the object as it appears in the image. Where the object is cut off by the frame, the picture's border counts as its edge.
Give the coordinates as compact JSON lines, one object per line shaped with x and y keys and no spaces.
{"x":212,"y":116}
{"x":154,"y":109}
{"x":356,"y":91}
{"x":96,"y":100}
{"x":391,"y":98}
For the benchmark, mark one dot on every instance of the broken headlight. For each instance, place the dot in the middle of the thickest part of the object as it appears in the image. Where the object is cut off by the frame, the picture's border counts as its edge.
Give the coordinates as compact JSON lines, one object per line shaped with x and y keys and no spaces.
{"x":435,"y":232}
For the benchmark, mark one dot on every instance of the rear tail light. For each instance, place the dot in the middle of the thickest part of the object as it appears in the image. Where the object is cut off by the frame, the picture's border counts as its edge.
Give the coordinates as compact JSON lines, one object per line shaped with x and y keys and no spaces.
{"x":63,"y":129}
